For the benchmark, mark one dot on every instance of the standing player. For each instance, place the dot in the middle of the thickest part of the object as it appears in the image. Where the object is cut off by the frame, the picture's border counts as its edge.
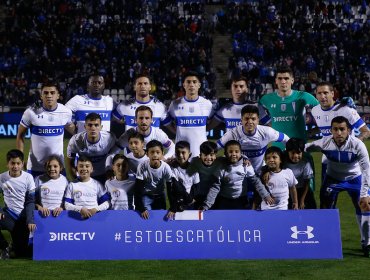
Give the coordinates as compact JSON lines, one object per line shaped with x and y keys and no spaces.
{"x":329,"y":109}
{"x":191,"y":113}
{"x":47,"y":123}
{"x":348,"y":170}
{"x":126,"y":111}
{"x":144,"y":120}
{"x":286,"y":107}
{"x":94,"y":143}
{"x":92,"y":101}
{"x":252,"y":137}
{"x":229,"y":114}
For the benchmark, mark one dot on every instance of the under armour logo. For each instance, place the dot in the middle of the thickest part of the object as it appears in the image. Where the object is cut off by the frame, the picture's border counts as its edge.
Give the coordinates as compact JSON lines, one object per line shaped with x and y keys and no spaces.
{"x":308,"y":231}
{"x":273,"y":105}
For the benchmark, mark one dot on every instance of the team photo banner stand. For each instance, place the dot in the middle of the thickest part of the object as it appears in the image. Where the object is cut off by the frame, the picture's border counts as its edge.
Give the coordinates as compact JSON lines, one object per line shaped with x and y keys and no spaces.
{"x":218,"y":234}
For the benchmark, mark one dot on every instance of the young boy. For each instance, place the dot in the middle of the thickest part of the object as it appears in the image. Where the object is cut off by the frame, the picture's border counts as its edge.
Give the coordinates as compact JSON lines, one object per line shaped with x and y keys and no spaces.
{"x":151,"y":177}
{"x":180,"y":192}
{"x":207,"y":165}
{"x":86,"y":195}
{"x":302,"y":170}
{"x":18,"y":189}
{"x":230,"y":189}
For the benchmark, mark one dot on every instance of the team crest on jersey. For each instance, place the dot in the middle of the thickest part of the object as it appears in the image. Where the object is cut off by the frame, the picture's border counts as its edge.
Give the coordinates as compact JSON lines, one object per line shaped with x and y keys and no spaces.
{"x":77,"y":194}
{"x":45,"y":191}
{"x":326,"y":118}
{"x":191,"y":109}
{"x":116,"y":193}
{"x":283,"y":107}
{"x":293,"y":105}
{"x":50,"y":118}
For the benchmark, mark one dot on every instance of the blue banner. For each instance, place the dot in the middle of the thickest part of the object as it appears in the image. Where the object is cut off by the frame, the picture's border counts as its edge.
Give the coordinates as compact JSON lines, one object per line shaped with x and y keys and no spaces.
{"x":121,"y":235}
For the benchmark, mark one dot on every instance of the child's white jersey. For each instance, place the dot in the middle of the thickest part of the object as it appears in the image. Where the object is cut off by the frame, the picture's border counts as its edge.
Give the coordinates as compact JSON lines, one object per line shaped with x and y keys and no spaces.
{"x":15,"y":190}
{"x":82,"y":105}
{"x":278,"y":186}
{"x":47,"y":131}
{"x":120,"y":192}
{"x":186,"y":176}
{"x":90,"y":194}
{"x":255,"y":145}
{"x":126,"y":111}
{"x":154,"y":178}
{"x":190,"y":117}
{"x":50,"y":192}
{"x":302,"y":171}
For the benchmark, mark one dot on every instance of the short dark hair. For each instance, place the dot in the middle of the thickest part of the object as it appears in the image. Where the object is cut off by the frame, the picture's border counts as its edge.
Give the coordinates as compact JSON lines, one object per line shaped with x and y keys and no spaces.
{"x":238,"y":78}
{"x":14,"y":153}
{"x":284,"y":69}
{"x":341,"y":119}
{"x":295,"y":144}
{"x":51,"y":83}
{"x":142,"y":75}
{"x":208,"y":147}
{"x":324,"y":83}
{"x":154,"y":143}
{"x":250,"y":109}
{"x":92,"y":117}
{"x":231,"y":143}
{"x":182,"y":145}
{"x":83,"y":158}
{"x":136,"y":135}
{"x":192,"y":73}
{"x":143,"y":108}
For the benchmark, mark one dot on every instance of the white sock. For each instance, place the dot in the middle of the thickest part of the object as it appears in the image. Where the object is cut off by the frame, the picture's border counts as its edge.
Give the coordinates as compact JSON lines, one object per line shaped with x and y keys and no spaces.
{"x":365,"y":228}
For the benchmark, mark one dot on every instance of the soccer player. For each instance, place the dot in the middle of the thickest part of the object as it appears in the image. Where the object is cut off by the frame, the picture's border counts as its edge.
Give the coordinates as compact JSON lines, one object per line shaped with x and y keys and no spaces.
{"x":93,"y":143}
{"x":303,"y":172}
{"x":286,"y":107}
{"x":280,"y":182}
{"x":18,"y":189}
{"x":126,"y":111}
{"x":47,"y":123}
{"x":50,"y":188}
{"x":191,"y":113}
{"x":230,"y":189}
{"x":252,"y":137}
{"x":144,"y":120}
{"x":328,"y":109}
{"x":121,"y":187}
{"x":348,"y":170}
{"x":92,"y":101}
{"x":151,"y":178}
{"x":229,"y":114}
{"x":86,"y":195}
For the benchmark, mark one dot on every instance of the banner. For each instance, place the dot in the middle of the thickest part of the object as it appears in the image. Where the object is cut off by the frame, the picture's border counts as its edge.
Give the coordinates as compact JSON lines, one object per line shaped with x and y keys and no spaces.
{"x":121,"y":235}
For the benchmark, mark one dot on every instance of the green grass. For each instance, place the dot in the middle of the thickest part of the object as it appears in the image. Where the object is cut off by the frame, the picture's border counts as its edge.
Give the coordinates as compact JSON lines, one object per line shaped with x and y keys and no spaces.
{"x":353,"y":265}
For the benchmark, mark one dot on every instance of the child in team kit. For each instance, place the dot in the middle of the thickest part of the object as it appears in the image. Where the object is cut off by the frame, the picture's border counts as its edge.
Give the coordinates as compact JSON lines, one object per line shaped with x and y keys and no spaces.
{"x":151,"y":177}
{"x":229,"y":191}
{"x":121,"y":187}
{"x":18,"y":189}
{"x":207,"y":165}
{"x":180,"y":191}
{"x":278,"y":181}
{"x":86,"y":195}
{"x":303,"y":172}
{"x":50,"y":188}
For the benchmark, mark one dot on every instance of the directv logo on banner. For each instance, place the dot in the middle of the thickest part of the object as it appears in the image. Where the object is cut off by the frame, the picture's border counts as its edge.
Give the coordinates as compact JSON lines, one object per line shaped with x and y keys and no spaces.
{"x":71,"y":236}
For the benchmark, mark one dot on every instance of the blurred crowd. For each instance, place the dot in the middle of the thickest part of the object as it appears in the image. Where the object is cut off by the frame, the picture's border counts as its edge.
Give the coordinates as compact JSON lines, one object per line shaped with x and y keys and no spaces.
{"x":71,"y":39}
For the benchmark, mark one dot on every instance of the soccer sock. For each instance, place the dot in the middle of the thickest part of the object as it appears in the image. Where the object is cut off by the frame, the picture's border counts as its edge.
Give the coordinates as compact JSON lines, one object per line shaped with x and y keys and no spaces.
{"x":365,"y":226}
{"x":359,"y":220}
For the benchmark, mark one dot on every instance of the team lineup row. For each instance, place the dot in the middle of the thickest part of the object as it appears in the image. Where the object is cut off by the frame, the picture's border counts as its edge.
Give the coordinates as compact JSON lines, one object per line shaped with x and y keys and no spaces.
{"x":190,"y":114}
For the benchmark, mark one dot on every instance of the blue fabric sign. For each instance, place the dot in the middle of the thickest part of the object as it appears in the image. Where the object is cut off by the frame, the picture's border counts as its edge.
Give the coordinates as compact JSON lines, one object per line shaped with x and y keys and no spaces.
{"x":119,"y":235}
